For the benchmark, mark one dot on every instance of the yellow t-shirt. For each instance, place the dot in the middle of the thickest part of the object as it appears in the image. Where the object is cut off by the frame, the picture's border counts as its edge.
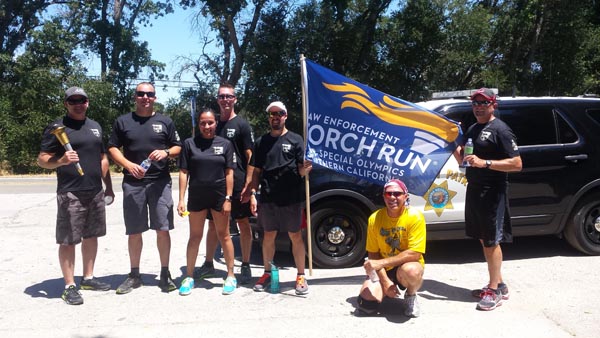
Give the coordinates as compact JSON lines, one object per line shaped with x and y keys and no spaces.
{"x":390,"y":236}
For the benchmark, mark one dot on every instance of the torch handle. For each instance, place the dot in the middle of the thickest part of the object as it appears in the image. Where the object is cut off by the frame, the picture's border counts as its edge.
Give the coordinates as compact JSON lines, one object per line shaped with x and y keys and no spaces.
{"x":68,"y":147}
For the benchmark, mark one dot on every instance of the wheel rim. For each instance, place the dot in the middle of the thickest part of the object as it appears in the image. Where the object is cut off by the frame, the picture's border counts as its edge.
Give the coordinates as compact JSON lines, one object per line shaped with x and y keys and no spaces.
{"x":336,"y":235}
{"x":592,"y":225}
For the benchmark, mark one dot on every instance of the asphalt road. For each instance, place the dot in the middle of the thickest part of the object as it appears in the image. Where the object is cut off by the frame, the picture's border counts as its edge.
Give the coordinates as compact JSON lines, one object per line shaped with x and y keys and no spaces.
{"x":552,"y":288}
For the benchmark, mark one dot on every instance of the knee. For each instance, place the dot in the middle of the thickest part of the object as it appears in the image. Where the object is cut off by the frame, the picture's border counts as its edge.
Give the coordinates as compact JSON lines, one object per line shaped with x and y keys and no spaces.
{"x":411,"y":271}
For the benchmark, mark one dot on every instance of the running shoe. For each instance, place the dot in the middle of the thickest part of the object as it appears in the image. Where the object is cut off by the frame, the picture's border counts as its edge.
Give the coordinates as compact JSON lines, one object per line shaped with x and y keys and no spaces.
{"x":71,"y":296}
{"x":132,"y":282}
{"x":205,"y":271}
{"x":478,"y":293}
{"x":263,"y":282}
{"x":245,"y":275}
{"x":413,"y":309}
{"x":229,"y":285}
{"x":301,"y":285}
{"x":490,"y":300}
{"x":186,"y":286}
{"x":93,"y":284}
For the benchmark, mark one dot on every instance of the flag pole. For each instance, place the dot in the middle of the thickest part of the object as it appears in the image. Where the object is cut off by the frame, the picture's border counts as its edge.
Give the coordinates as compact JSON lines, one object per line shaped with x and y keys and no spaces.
{"x":306,"y":179}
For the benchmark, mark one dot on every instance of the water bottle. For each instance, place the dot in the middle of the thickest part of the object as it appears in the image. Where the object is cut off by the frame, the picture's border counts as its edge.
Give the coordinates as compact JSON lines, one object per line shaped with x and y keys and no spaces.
{"x":146,"y":164}
{"x":274,"y":278}
{"x":468,"y":151}
{"x":373,"y":276}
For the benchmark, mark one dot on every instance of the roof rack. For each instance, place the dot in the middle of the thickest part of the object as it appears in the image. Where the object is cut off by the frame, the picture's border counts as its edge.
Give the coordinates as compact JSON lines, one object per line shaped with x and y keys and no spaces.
{"x":457,"y":94}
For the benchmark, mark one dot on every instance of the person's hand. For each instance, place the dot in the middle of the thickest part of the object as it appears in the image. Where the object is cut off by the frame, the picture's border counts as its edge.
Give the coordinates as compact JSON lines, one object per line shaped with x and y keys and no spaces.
{"x":226,"y":207}
{"x":254,"y":206}
{"x":390,"y":289}
{"x":109,"y":193}
{"x":158,"y":155}
{"x":180,"y":208}
{"x":475,"y":161}
{"x":305,"y":168}
{"x":69,"y":157}
{"x":136,"y":171}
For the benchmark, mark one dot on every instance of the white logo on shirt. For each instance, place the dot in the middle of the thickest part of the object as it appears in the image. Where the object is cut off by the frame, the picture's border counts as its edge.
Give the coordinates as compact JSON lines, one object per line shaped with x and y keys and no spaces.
{"x":96,"y":132}
{"x":176,"y":135}
{"x":286,"y":147}
{"x":157,"y":128}
{"x":230,"y":133}
{"x":218,"y":150}
{"x":484,"y":135}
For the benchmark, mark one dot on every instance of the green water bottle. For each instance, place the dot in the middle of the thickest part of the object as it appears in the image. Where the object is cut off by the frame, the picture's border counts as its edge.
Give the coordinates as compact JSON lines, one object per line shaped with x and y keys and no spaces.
{"x":274,"y":278}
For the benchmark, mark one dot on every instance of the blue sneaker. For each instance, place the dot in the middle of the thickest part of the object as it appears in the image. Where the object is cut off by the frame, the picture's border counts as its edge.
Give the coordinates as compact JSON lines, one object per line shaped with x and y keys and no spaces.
{"x":229,"y":285}
{"x":186,"y":286}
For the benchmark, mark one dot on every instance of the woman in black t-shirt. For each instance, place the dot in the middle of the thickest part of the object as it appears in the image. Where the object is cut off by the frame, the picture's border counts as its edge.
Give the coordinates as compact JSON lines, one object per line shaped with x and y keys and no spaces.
{"x":207,"y":163}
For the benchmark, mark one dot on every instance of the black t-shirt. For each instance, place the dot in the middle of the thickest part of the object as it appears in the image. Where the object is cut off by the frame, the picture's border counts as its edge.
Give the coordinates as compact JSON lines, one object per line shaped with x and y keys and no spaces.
{"x":139,"y":136}
{"x":238,"y":131}
{"x":278,"y":158}
{"x":86,"y":139}
{"x":492,"y":141}
{"x":206,"y":161}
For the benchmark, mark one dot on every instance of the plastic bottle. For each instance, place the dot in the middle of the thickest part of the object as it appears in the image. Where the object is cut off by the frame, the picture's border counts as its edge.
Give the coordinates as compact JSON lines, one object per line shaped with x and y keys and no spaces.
{"x":108,"y":199}
{"x":274,"y":278}
{"x":146,"y":164}
{"x":373,"y":274}
{"x":468,"y":151}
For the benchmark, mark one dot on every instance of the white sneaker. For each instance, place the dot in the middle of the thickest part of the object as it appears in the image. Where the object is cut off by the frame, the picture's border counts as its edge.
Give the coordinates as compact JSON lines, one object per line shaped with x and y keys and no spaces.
{"x":413,"y":309}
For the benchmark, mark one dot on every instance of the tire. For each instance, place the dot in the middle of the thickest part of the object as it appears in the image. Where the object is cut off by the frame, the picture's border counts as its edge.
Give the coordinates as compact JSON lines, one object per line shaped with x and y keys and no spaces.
{"x":583,"y":229}
{"x":338,"y":234}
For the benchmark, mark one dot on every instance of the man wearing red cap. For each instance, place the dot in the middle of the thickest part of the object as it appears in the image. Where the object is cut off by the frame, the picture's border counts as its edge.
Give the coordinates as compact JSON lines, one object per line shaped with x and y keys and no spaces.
{"x":396,"y":238}
{"x":487,"y":217}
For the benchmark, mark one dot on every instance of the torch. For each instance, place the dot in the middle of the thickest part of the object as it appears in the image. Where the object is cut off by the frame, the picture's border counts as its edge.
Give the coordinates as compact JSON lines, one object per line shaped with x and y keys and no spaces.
{"x":62,"y":137}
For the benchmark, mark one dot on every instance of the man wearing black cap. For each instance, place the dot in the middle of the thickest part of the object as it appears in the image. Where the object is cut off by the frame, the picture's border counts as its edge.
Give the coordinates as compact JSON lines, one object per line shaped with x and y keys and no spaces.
{"x":278,"y":165}
{"x":81,"y":216}
{"x":487,"y":217}
{"x":396,"y":237}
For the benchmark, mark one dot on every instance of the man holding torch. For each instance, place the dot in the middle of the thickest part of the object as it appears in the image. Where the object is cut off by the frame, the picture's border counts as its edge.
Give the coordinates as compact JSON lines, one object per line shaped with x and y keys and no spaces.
{"x":73,"y":146}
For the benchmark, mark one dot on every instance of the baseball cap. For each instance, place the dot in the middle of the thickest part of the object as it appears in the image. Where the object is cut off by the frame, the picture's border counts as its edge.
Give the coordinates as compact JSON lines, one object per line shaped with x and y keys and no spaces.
{"x":485,"y":92}
{"x":75,"y":91}
{"x":397,"y":182}
{"x":277,"y":104}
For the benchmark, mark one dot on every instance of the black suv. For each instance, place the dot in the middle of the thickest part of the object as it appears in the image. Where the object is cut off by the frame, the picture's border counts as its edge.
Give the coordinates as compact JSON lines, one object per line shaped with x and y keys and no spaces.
{"x":557,"y":192}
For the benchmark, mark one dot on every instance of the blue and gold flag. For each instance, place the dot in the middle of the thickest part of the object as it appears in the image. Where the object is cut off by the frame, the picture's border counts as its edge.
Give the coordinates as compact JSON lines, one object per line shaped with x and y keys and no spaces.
{"x":359,"y":131}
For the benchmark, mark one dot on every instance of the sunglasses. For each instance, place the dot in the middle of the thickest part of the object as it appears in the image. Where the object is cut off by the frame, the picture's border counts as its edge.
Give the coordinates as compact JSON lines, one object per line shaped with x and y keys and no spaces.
{"x":141,"y":94}
{"x":278,"y":113}
{"x":226,"y":97}
{"x":72,"y":102}
{"x":394,"y":193}
{"x":481,"y":103}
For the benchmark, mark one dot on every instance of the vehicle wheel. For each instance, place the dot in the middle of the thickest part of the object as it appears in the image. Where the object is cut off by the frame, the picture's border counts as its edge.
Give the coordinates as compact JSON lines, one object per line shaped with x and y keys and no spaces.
{"x":339,"y":232}
{"x":583,"y":229}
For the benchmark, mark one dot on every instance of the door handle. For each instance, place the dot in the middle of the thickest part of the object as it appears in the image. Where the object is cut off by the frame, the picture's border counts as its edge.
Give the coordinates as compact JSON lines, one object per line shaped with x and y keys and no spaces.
{"x":576,"y":158}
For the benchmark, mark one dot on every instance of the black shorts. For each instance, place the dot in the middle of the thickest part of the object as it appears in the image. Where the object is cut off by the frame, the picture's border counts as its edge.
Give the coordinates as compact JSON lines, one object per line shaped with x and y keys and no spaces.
{"x":206,"y":199}
{"x":239,"y":210}
{"x":391,"y":273}
{"x":81,"y":214}
{"x":487,"y":215}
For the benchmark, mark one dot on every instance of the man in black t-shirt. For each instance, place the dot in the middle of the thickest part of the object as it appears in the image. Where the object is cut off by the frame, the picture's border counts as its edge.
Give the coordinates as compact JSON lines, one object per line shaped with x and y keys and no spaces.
{"x":487,"y":217}
{"x":145,"y":134}
{"x":278,"y":165}
{"x":237,"y":130}
{"x":81,"y":216}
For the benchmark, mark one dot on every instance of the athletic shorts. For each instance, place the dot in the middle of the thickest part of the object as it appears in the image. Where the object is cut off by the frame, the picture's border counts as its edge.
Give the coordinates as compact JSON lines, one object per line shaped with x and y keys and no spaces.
{"x":391,"y":273}
{"x":487,"y":215}
{"x":272,"y":217}
{"x":141,"y":199}
{"x":81,"y":214}
{"x":206,"y":198}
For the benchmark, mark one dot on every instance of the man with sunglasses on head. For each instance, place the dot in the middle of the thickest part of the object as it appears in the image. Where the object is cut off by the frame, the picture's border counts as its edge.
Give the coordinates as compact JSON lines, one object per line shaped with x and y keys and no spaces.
{"x":487,"y":217}
{"x":278,"y":165}
{"x":146,"y":134}
{"x":237,"y":130}
{"x":81,"y":216}
{"x":396,"y":238}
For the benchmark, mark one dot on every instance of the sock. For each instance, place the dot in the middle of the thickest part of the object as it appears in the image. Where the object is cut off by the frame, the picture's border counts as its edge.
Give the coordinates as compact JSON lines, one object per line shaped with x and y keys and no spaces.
{"x":245,"y":264}
{"x":164,"y":271}
{"x":135,"y":272}
{"x":208,"y":263}
{"x":68,"y":286}
{"x":300,"y":274}
{"x":88,"y":277}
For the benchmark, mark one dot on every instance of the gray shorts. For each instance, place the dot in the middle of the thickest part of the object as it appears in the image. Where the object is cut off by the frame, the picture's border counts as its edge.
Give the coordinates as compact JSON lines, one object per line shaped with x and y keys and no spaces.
{"x":81,"y":214}
{"x":272,"y":217}
{"x":143,"y":198}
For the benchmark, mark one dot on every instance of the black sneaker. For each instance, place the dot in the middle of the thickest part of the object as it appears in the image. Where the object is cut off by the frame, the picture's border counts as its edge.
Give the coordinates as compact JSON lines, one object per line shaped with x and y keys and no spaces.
{"x":245,"y":275}
{"x":93,"y":284}
{"x":132,"y":282}
{"x":205,"y":271}
{"x":71,"y":296}
{"x":166,"y":284}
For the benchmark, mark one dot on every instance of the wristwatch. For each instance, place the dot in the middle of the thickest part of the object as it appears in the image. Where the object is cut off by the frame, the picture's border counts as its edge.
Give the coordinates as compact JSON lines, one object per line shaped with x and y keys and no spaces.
{"x":168,"y":151}
{"x":488,"y":164}
{"x":228,"y":198}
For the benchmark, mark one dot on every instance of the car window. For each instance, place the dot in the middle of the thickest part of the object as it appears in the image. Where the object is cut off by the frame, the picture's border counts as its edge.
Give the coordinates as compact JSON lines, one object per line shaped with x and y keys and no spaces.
{"x":594,"y":114}
{"x":532,"y":125}
{"x":565,"y":132}
{"x":464,"y":115}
